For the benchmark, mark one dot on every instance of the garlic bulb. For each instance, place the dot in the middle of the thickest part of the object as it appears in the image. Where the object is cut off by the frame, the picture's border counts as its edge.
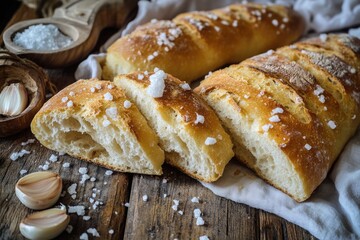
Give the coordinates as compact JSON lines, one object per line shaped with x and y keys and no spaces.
{"x":39,"y":190}
{"x":46,"y":224}
{"x":13,"y":99}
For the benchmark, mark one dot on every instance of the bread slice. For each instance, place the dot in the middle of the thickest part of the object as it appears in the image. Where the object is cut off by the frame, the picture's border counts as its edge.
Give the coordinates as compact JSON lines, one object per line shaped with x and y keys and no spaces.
{"x":94,"y":121}
{"x":189,"y":131}
{"x":290,"y":112}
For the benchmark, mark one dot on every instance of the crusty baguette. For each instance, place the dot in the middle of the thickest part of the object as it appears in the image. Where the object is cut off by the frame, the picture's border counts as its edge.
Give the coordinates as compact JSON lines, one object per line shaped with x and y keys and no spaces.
{"x":190,"y":132}
{"x":290,"y":112}
{"x":194,"y":43}
{"x":93,"y":121}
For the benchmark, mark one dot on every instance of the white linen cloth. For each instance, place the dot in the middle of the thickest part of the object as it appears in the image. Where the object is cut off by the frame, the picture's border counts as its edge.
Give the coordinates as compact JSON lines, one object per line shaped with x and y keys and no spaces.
{"x":333,"y":211}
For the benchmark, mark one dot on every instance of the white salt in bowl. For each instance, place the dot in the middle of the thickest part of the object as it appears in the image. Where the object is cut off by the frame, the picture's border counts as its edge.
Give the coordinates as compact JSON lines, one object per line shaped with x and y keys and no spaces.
{"x":48,"y":58}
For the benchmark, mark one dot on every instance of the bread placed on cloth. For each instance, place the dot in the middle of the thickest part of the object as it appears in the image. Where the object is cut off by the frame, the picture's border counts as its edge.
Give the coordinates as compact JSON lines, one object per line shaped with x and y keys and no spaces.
{"x":194,"y":43}
{"x":190,"y":132}
{"x":290,"y":112}
{"x":94,"y":121}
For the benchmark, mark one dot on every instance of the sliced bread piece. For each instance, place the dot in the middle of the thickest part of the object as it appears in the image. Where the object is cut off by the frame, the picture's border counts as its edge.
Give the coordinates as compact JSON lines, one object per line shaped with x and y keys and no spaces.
{"x":190,"y":132}
{"x":94,"y":121}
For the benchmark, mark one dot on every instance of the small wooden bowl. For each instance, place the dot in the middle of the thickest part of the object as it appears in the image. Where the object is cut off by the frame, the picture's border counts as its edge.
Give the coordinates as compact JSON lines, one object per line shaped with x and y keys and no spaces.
{"x":12,"y":70}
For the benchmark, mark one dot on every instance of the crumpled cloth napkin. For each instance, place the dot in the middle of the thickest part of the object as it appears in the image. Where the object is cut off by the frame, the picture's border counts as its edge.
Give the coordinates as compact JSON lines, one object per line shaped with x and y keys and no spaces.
{"x":333,"y":211}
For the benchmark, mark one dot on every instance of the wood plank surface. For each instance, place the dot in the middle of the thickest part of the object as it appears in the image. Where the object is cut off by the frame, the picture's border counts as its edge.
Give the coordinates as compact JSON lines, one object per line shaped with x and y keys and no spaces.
{"x":151,"y":219}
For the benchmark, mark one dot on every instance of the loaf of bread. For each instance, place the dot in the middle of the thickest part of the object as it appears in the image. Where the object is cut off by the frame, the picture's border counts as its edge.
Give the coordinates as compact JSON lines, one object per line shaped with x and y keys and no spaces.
{"x":194,"y":43}
{"x":190,"y":132}
{"x":290,"y":112}
{"x":94,"y":121}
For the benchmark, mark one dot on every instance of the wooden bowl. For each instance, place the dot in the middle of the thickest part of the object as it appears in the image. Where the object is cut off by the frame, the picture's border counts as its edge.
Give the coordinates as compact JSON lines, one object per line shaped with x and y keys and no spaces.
{"x":12,"y":70}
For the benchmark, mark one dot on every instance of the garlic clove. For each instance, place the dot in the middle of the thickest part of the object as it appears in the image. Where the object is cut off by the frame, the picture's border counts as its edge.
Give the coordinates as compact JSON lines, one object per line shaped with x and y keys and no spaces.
{"x":46,"y":224}
{"x":13,"y":99}
{"x":39,"y":190}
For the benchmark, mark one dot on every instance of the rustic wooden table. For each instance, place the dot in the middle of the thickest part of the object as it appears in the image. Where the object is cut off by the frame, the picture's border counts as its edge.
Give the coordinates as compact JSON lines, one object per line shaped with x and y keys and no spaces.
{"x":152,"y":219}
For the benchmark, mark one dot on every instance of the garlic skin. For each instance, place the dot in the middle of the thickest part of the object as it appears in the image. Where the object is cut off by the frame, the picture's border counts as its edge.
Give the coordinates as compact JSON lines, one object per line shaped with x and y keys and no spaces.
{"x":13,"y":99}
{"x":39,"y":190}
{"x":45,"y":224}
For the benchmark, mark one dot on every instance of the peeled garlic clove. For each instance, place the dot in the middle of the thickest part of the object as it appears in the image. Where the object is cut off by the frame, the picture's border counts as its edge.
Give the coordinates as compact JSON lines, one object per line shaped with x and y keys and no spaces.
{"x":13,"y":99}
{"x":39,"y":190}
{"x":46,"y":224}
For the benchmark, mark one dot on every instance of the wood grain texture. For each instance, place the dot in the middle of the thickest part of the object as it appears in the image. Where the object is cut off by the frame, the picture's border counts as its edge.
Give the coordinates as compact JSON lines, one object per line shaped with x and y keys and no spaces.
{"x":224,"y":219}
{"x":154,"y":219}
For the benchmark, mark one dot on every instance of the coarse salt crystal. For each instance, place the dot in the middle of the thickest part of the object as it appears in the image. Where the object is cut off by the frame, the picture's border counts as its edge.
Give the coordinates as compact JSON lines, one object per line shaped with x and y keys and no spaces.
{"x":353,"y":117}
{"x":111,"y":112}
{"x":199,"y":119}
{"x":197,"y":213}
{"x":93,"y":231}
{"x":246,"y":96}
{"x":322,"y":98}
{"x":108,"y":96}
{"x":79,"y":210}
{"x":45,"y":167}
{"x":200,"y":221}
{"x":323,"y":37}
{"x":275,"y":22}
{"x":157,"y":84}
{"x":92,"y":179}
{"x":210,"y":141}
{"x":204,"y":237}
{"x":86,"y":218}
{"x":277,"y":110}
{"x":185,"y":86}
{"x":69,"y":228}
{"x":307,"y":147}
{"x":70,"y":103}
{"x":267,"y":127}
{"x":174,"y":207}
{"x":53,"y":158}
{"x":195,"y":200}
{"x":235,"y":23}
{"x":176,"y":202}
{"x":140,"y":76}
{"x":108,"y":172}
{"x":72,"y":93}
{"x":217,"y":28}
{"x":274,"y":118}
{"x":98,"y":86}
{"x":106,"y":123}
{"x":352,"y":70}
{"x":127,"y":104}
{"x":111,"y":231}
{"x":29,"y":141}
{"x":331,"y":124}
{"x":92,"y":89}
{"x":72,"y":189}
{"x":23,"y":171}
{"x":64,"y":99}
{"x":84,"y":236}
{"x":165,"y":195}
{"x":66,"y":165}
{"x":110,"y":86}
{"x":181,"y":212}
{"x":83,"y":170}
{"x":145,"y":198}
{"x":84,"y":178}
{"x":127,"y":205}
{"x":164,"y":180}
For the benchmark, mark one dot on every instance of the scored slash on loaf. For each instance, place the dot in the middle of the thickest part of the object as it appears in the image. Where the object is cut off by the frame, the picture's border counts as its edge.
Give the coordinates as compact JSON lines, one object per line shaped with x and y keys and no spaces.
{"x":291,"y":111}
{"x":194,"y":43}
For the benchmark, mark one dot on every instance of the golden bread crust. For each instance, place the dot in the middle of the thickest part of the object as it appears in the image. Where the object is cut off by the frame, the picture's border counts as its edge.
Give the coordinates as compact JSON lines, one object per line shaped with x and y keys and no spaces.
{"x":194,"y":43}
